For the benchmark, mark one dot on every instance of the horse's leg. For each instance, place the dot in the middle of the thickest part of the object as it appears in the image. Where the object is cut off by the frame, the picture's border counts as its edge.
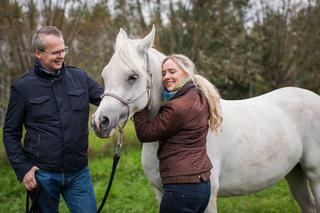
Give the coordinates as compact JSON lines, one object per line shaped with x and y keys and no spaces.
{"x":297,"y":181}
{"x":158,"y":194}
{"x":212,"y":205}
{"x":311,"y":161}
{"x":314,"y":179}
{"x":315,"y":186}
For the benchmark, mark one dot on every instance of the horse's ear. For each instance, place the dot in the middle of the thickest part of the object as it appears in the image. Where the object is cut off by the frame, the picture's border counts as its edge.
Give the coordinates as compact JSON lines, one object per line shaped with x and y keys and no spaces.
{"x":147,"y":41}
{"x":122,"y":36}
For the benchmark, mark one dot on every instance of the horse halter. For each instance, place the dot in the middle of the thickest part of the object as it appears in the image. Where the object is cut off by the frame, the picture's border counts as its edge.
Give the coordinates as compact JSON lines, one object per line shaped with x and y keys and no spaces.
{"x":127,"y":102}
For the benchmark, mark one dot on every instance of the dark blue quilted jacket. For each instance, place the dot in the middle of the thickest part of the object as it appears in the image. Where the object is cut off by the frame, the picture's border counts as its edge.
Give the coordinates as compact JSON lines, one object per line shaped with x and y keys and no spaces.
{"x":54,"y":111}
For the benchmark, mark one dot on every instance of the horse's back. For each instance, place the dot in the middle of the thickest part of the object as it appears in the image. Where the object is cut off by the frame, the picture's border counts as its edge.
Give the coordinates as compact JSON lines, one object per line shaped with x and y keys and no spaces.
{"x":291,"y":95}
{"x":300,"y":106}
{"x":282,"y":96}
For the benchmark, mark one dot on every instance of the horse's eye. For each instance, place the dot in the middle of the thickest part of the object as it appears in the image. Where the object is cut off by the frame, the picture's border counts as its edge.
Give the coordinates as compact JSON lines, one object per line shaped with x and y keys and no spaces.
{"x":133,"y":77}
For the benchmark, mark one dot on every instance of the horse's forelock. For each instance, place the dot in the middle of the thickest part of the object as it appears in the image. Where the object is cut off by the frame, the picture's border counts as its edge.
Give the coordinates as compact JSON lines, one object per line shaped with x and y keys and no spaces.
{"x":127,"y":53}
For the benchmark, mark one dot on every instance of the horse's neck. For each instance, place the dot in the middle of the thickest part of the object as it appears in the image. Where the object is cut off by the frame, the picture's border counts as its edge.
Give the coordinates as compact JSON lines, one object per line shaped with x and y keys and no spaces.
{"x":149,"y":150}
{"x":155,"y":60}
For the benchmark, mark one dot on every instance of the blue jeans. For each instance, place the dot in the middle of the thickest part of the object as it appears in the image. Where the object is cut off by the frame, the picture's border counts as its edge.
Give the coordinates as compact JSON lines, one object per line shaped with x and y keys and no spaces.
{"x":185,"y":197}
{"x":75,"y":187}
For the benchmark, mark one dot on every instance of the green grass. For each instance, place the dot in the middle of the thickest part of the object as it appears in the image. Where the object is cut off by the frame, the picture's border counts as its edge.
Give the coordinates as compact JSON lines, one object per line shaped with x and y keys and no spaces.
{"x":131,"y":191}
{"x":276,"y":199}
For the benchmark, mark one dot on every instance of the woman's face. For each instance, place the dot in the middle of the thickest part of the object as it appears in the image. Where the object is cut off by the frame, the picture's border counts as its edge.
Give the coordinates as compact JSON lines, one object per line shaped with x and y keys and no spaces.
{"x":172,"y":75}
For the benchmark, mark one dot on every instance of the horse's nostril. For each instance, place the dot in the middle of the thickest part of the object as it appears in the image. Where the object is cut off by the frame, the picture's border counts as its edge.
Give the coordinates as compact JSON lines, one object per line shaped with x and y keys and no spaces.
{"x":105,"y":122}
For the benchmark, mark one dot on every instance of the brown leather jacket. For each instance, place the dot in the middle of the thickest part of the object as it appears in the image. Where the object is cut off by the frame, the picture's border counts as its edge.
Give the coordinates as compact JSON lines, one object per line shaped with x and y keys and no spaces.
{"x":181,"y":127}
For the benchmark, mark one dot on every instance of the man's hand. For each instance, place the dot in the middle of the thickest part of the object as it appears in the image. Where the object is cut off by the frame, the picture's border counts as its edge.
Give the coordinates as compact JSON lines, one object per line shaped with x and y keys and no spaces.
{"x":29,"y":179}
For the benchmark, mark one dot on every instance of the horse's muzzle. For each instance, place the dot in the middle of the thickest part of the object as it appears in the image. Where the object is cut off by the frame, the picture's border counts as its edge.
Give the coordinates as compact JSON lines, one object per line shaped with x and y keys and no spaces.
{"x":103,"y":127}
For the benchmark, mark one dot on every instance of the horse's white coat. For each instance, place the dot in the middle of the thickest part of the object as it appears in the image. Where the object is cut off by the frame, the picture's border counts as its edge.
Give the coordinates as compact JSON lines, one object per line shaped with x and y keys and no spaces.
{"x":263,"y":139}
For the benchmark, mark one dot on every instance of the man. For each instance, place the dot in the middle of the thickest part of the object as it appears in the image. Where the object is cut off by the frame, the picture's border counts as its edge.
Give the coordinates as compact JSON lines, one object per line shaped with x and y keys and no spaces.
{"x":52,"y":103}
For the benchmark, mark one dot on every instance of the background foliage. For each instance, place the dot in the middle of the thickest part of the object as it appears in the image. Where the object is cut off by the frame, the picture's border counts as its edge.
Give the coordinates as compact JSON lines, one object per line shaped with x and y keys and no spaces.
{"x":244,"y":47}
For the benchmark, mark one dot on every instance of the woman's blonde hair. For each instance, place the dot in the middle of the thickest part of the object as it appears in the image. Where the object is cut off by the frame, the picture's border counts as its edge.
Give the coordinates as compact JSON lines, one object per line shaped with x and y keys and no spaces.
{"x":208,"y":89}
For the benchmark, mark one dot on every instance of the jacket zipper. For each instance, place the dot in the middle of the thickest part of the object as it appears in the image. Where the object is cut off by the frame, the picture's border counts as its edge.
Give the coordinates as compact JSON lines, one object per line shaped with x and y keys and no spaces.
{"x":39,"y":142}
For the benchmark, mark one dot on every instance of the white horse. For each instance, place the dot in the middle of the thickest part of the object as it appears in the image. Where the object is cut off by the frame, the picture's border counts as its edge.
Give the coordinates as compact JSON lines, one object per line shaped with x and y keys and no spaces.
{"x":263,"y":139}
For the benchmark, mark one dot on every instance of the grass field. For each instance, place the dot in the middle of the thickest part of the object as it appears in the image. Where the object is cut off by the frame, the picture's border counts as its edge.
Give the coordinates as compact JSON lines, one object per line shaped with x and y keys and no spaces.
{"x":131,"y":192}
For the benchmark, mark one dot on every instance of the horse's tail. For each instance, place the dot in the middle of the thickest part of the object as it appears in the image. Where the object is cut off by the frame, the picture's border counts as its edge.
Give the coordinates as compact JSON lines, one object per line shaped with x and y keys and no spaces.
{"x":213,"y":98}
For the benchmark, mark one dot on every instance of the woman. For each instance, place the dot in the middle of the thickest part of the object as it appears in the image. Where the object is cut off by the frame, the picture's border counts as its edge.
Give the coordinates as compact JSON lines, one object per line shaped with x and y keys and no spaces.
{"x":181,"y":127}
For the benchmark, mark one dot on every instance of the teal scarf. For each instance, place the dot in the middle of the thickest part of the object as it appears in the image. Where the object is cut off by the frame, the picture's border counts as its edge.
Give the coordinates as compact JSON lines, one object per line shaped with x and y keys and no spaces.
{"x":168,"y":95}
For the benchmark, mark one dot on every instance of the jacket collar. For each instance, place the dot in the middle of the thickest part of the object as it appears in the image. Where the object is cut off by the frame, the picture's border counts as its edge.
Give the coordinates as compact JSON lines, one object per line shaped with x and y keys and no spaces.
{"x":44,"y":73}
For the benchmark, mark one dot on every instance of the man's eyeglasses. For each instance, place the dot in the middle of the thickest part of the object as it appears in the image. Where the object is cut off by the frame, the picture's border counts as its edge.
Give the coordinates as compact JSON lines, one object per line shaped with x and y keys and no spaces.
{"x":57,"y":53}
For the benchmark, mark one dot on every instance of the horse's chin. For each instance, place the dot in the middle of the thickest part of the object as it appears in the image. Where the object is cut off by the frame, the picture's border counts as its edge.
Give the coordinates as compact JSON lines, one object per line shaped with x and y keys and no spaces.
{"x":104,"y":134}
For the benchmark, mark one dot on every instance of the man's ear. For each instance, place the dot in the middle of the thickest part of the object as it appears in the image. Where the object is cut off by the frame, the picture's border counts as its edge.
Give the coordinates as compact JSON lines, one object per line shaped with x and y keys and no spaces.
{"x":37,"y":53}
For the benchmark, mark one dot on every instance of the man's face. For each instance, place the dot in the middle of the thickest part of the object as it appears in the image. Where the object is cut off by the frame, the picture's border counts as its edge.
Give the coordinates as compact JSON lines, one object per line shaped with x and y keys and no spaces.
{"x":53,"y":55}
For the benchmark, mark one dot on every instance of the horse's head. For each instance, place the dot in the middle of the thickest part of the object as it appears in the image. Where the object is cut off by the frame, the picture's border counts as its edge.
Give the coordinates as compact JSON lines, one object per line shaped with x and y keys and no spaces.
{"x":127,"y":81}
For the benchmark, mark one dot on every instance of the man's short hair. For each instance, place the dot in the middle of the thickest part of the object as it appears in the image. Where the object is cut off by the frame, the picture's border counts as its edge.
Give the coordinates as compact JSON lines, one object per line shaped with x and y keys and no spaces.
{"x":37,"y":39}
